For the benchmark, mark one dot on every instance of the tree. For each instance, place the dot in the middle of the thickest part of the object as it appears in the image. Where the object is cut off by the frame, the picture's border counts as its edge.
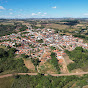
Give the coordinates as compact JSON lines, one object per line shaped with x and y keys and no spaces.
{"x":1,"y":52}
{"x":35,"y":61}
{"x":54,"y":61}
{"x":24,"y":56}
{"x":79,"y":56}
{"x":11,"y":52}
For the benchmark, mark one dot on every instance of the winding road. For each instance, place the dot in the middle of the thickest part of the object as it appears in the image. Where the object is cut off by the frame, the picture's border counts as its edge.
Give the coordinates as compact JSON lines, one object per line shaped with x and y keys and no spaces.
{"x":69,"y":74}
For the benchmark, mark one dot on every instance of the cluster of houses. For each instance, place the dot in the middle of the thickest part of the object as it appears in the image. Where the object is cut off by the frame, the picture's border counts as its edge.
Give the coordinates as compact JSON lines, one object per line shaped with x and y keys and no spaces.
{"x":37,"y":42}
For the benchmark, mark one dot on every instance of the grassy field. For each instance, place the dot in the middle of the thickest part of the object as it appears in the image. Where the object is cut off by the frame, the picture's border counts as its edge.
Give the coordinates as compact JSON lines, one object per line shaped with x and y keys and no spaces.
{"x":12,"y":23}
{"x":57,"y":26}
{"x":29,"y":64}
{"x":34,"y":82}
{"x":25,"y":24}
{"x":6,"y":82}
{"x":6,"y":23}
{"x":47,"y":68}
{"x":1,"y":46}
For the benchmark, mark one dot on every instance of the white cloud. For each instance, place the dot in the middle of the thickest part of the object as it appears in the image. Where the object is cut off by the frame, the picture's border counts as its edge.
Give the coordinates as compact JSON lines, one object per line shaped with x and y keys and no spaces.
{"x":19,"y":15}
{"x":33,"y":14}
{"x":45,"y":13}
{"x":10,"y":9}
{"x":1,"y":7}
{"x":54,"y":7}
{"x":3,"y":1}
{"x":11,"y":13}
{"x":42,"y":15}
{"x":39,"y":12}
{"x":86,"y":14}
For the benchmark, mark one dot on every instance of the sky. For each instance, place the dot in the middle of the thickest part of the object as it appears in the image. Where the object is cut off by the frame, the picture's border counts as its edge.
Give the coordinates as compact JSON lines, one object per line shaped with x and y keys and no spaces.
{"x":43,"y":8}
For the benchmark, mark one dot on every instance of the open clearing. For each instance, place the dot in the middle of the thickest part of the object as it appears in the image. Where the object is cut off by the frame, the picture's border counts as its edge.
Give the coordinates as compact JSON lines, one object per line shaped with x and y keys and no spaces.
{"x":6,"y":82}
{"x":67,"y":60}
{"x":77,"y":70}
{"x":29,"y":65}
{"x":7,"y":23}
{"x":2,"y":47}
{"x":63,"y":67}
{"x":57,"y":26}
{"x":85,"y":86}
{"x":64,"y":64}
{"x":46,"y":68}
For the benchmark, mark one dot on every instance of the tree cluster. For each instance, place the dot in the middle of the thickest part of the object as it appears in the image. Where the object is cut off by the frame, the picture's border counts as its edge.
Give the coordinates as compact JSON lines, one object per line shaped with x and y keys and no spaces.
{"x":8,"y":62}
{"x":54,"y":61}
{"x":80,"y":58}
{"x":8,"y":29}
{"x":41,"y":81}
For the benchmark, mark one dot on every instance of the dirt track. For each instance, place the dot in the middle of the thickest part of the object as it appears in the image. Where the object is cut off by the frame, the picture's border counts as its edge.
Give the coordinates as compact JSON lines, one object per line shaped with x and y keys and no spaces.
{"x":8,"y":75}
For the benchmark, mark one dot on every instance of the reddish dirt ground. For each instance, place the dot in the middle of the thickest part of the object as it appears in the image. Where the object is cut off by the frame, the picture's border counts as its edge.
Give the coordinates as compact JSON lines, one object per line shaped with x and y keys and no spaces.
{"x":29,"y":64}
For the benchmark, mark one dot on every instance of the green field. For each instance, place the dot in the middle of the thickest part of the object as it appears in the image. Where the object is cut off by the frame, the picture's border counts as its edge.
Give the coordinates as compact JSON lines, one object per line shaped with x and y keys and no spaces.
{"x":41,"y":81}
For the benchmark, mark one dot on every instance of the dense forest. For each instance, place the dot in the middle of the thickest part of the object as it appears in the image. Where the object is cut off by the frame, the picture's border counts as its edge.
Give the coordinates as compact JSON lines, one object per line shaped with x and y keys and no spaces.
{"x":54,"y":62}
{"x":71,"y":22}
{"x":41,"y":81}
{"x":80,"y":58}
{"x":8,"y":29}
{"x":81,"y":36}
{"x":8,"y":62}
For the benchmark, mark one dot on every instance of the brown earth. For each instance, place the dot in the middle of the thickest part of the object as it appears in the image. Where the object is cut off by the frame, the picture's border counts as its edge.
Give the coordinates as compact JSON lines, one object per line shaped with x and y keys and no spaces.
{"x":67,"y":60}
{"x":69,"y":74}
{"x":64,"y":67}
{"x":29,"y":64}
{"x":46,"y":67}
{"x":64,"y":63}
{"x":57,"y":26}
{"x":77,"y":70}
{"x":85,"y":86}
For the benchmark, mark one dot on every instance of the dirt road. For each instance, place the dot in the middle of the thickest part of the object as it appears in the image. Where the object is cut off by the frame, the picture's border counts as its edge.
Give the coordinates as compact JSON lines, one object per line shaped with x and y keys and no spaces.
{"x":69,"y":74}
{"x":8,"y":75}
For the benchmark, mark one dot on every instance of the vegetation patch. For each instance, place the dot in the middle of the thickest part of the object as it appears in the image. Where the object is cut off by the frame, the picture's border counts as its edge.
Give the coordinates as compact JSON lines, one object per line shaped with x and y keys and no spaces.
{"x":6,"y":82}
{"x":80,"y":58}
{"x":55,"y":62}
{"x":40,"y":41}
{"x":7,"y":61}
{"x":8,"y":29}
{"x":41,"y":81}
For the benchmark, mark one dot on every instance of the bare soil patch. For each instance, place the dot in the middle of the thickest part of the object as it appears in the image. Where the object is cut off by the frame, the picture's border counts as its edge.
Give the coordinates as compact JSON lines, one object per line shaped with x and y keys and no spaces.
{"x":77,"y":70}
{"x":57,"y":26}
{"x":67,"y":60}
{"x":29,"y":64}
{"x":85,"y":86}
{"x":63,"y":67}
{"x":46,"y":67}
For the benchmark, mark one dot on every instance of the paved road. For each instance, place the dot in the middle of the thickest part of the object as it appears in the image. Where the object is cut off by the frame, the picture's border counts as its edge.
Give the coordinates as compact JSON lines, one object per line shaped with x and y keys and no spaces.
{"x":69,"y":74}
